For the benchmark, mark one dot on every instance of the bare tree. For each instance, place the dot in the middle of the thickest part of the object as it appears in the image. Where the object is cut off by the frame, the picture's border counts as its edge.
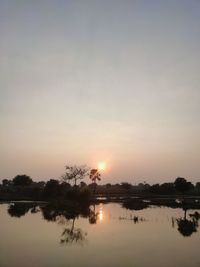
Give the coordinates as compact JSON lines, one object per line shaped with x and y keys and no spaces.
{"x":75,"y":173}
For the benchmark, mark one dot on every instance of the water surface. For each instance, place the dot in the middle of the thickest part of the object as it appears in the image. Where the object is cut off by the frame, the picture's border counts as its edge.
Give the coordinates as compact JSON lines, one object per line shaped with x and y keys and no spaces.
{"x":105,"y":235}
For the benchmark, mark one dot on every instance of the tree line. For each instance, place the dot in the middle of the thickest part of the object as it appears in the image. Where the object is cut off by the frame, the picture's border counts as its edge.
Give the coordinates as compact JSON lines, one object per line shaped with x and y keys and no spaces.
{"x":71,"y":185}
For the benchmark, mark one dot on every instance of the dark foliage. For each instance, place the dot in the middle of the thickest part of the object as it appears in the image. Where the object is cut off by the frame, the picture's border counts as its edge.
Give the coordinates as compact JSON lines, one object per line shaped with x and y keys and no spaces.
{"x":186,"y":227}
{"x":22,"y":180}
{"x":51,"y":189}
{"x":126,"y":186}
{"x":23,"y":188}
{"x":6,"y":182}
{"x":19,"y":209}
{"x":135,"y":204}
{"x":182,"y":185}
{"x":68,"y":210}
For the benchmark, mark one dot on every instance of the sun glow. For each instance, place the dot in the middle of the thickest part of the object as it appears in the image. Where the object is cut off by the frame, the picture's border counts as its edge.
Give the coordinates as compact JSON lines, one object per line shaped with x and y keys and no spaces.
{"x":102,"y":166}
{"x":101,"y":213}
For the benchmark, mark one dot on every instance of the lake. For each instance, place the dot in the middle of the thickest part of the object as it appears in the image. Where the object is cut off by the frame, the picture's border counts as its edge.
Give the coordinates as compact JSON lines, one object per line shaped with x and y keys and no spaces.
{"x":105,"y":235}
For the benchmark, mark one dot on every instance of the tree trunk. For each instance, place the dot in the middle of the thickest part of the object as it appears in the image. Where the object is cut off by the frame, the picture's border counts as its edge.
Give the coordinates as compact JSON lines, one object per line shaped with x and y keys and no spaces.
{"x":94,"y":190}
{"x":185,"y":214}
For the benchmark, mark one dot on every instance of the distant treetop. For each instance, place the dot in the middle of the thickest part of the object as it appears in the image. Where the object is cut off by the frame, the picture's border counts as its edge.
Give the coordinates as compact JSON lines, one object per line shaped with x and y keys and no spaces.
{"x":23,"y":180}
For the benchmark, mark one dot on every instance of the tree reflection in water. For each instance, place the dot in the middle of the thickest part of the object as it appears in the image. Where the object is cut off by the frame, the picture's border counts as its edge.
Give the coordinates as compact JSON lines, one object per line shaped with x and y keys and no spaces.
{"x":136,"y":205}
{"x":93,"y":216}
{"x":20,"y":209}
{"x":67,"y":216}
{"x":71,"y":234}
{"x":77,"y":235}
{"x":187,"y":227}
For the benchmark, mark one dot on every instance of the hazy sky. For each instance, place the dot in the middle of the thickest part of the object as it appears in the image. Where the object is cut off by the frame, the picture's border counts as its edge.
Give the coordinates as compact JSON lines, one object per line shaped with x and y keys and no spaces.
{"x":91,"y":80}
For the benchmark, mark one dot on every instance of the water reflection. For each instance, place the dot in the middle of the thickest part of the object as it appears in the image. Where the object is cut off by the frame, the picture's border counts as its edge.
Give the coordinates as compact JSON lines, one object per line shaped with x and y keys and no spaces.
{"x":20,"y":209}
{"x":93,"y":216}
{"x":134,"y":218}
{"x":101,"y":213}
{"x":136,"y":204}
{"x":71,"y":234}
{"x":186,"y":227}
{"x":67,"y":215}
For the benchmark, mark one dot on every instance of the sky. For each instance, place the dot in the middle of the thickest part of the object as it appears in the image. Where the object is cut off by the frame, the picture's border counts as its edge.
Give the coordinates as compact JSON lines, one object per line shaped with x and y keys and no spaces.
{"x":100,"y":80}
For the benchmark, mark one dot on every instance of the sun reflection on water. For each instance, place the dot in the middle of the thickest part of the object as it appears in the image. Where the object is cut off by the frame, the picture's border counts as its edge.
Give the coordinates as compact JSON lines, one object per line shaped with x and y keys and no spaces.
{"x":100,"y":215}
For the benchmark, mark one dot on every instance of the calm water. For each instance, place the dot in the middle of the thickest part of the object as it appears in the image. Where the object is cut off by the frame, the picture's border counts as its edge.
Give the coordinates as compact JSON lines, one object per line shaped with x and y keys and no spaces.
{"x":109,"y":236}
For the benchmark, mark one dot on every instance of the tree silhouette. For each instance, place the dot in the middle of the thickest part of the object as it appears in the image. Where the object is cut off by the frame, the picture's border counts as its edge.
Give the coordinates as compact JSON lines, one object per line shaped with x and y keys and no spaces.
{"x":182,"y":185}
{"x":51,"y":189}
{"x":74,"y":173}
{"x":6,"y":182}
{"x":22,"y":180}
{"x":94,"y":177}
{"x":126,"y":186}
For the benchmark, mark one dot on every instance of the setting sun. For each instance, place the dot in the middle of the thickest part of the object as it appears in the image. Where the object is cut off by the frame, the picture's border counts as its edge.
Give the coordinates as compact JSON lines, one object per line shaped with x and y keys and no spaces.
{"x":101,"y":166}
